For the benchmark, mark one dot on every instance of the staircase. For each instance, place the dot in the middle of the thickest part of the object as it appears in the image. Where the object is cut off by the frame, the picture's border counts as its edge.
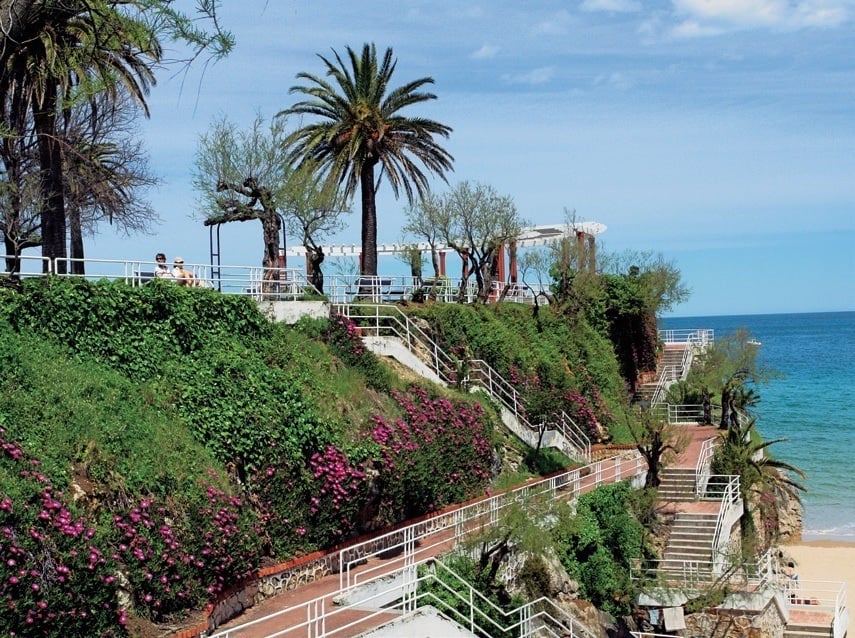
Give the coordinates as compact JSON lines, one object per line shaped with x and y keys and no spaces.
{"x":807,"y":631}
{"x":388,"y":331}
{"x":668,"y":369}
{"x":690,"y":543}
{"x":677,"y":484}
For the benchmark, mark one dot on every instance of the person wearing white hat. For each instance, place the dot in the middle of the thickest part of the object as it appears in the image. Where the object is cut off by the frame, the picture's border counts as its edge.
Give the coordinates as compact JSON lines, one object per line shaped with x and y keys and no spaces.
{"x":183,"y":276}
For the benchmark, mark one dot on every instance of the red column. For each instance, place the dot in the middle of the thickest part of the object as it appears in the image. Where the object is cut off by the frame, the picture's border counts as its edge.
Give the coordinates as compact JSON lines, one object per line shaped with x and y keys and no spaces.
{"x":500,"y":264}
{"x":592,"y":254}
{"x":442,"y":264}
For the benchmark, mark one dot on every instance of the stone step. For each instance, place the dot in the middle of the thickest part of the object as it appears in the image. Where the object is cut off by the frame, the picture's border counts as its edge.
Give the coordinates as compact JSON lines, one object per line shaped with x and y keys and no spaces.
{"x":699,"y":518}
{"x":688,"y":550}
{"x":806,"y":631}
{"x":690,"y":537}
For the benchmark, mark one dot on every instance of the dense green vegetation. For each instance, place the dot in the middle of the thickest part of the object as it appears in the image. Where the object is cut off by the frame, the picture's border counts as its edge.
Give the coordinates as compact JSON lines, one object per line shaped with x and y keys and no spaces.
{"x":160,"y":444}
{"x":557,"y":362}
{"x":174,"y":440}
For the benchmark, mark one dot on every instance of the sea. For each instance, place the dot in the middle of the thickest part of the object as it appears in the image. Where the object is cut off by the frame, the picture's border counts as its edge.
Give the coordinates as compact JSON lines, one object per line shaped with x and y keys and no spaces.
{"x":811,"y":405}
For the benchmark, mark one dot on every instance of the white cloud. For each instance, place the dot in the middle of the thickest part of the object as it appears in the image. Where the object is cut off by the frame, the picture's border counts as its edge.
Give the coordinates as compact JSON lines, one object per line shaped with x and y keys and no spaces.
{"x":615,"y":79}
{"x":486,"y":52}
{"x":614,"y":6}
{"x":710,"y":17}
{"x":541,"y":75}
{"x":558,"y":24}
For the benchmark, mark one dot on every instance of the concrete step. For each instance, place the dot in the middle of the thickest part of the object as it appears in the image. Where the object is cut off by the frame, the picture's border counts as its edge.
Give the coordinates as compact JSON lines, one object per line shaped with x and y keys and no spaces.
{"x":807,"y":631}
{"x":689,"y":537}
{"x":698,"y":518}
{"x":682,"y":552}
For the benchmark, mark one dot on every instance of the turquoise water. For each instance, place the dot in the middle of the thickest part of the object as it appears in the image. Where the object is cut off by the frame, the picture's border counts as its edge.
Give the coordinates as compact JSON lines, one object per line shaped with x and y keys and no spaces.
{"x":812,"y":405}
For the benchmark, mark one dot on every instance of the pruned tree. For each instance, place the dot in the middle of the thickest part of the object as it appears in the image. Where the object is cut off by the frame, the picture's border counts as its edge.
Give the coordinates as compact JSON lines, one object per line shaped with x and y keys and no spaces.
{"x":422,"y":223}
{"x":239,"y":176}
{"x":314,"y":210}
{"x":245,"y":175}
{"x":476,"y":222}
{"x":658,"y":441}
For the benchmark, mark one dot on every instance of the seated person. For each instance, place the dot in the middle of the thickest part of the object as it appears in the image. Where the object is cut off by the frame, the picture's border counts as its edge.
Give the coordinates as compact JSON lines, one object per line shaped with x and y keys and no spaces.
{"x":183,"y":276}
{"x":161,"y":271}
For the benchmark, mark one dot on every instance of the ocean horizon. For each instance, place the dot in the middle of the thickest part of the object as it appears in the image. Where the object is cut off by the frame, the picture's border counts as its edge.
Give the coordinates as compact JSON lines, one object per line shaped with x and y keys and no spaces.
{"x":811,"y":405}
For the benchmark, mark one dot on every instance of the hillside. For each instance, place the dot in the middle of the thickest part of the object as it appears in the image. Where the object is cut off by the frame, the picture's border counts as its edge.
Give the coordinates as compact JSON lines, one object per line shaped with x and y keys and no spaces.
{"x":160,"y":444}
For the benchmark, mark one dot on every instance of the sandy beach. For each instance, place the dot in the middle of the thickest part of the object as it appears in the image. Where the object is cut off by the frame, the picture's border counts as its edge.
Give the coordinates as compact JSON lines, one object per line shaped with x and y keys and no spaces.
{"x":822,"y":566}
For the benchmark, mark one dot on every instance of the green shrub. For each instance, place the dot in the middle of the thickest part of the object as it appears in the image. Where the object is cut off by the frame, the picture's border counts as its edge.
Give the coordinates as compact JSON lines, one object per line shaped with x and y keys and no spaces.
{"x":597,"y":545}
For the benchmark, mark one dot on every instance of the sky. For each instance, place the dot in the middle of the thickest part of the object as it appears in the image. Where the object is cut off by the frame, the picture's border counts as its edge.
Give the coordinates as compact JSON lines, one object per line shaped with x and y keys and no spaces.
{"x":719,"y":133}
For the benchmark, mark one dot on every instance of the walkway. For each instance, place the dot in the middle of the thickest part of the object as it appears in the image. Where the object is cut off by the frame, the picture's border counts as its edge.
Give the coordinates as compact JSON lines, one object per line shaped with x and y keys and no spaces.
{"x":311,"y":610}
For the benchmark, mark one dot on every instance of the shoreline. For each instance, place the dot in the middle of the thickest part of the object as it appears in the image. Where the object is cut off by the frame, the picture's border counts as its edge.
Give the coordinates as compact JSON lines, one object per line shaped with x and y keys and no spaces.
{"x":824,"y":542}
{"x":823,"y":565}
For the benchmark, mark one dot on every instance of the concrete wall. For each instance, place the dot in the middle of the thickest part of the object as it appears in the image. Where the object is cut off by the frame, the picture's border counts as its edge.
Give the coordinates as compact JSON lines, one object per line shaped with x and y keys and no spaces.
{"x":292,"y":311}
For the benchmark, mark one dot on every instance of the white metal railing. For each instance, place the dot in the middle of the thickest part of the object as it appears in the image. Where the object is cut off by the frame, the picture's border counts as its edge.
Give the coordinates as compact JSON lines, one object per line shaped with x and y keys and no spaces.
{"x":696,"y":336}
{"x":573,"y":433}
{"x":425,"y":537}
{"x":419,"y":542}
{"x":692,"y":340}
{"x":254,"y":281}
{"x":680,"y":413}
{"x":28,"y":266}
{"x":702,"y":468}
{"x":729,"y":511}
{"x":840,"y":624}
{"x":292,"y":283}
{"x":694,"y":575}
{"x":402,"y":592}
{"x":390,"y":321}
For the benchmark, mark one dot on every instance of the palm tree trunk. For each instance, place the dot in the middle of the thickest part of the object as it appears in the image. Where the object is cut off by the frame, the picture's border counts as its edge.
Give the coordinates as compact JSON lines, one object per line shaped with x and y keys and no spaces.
{"x":369,"y":221}
{"x":75,"y":232}
{"x":51,"y":182}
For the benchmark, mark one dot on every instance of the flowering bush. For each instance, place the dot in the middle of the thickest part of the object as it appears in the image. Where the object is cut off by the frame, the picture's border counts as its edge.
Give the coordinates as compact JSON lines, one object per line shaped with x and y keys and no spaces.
{"x":318,"y":504}
{"x":345,"y":340}
{"x":440,"y":452}
{"x":176,"y":561}
{"x":55,"y":578}
{"x":544,"y":399}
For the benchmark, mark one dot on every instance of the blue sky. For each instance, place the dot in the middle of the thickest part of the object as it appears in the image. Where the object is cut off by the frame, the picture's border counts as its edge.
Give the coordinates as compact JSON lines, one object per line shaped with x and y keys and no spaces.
{"x":720,"y":133}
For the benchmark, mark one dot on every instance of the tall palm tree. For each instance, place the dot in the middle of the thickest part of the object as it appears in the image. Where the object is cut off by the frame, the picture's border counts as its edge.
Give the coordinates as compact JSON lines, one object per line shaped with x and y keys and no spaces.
{"x":81,"y":48}
{"x":360,"y":127}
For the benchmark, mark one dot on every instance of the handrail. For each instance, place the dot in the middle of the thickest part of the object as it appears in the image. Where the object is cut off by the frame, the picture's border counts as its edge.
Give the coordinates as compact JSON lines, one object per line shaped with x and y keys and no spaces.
{"x":697,"y":336}
{"x":729,"y":500}
{"x":452,"y":371}
{"x":414,"y":540}
{"x":409,"y":543}
{"x":575,"y":434}
{"x":703,"y":469}
{"x":840,"y":624}
{"x":692,"y":574}
{"x":404,"y":587}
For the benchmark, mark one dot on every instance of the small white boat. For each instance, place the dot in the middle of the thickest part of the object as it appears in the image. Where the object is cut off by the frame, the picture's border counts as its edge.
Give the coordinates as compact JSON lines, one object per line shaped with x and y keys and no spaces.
{"x":754,"y":342}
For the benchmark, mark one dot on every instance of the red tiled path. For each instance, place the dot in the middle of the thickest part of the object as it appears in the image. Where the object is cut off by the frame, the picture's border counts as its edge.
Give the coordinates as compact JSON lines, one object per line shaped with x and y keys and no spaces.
{"x":326,"y":589}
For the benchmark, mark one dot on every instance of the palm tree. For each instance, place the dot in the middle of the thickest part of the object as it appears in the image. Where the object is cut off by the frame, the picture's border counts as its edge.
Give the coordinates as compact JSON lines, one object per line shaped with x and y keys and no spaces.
{"x":79,"y":49}
{"x":361,"y":127}
{"x":760,"y":475}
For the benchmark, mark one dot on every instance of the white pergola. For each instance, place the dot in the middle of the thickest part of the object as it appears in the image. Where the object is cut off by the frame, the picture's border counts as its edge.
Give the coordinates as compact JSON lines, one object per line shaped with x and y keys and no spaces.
{"x":530,"y":237}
